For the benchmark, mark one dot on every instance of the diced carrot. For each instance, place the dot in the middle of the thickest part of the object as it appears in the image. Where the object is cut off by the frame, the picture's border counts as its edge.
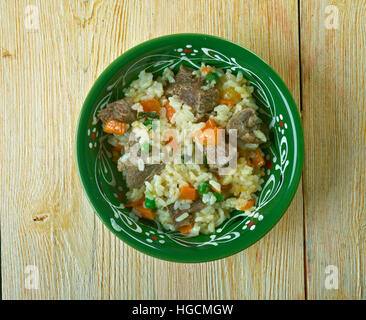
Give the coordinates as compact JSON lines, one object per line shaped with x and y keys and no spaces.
{"x":172,"y":142}
{"x":227,"y":102}
{"x":151,"y":105}
{"x":145,"y":212}
{"x":212,"y":136}
{"x":169,"y":111}
{"x":115,"y":127}
{"x":248,"y":205}
{"x":210,"y":123}
{"x":258,"y":160}
{"x":139,"y":206}
{"x":186,"y":229}
{"x":118,"y":147}
{"x":209,"y":134}
{"x":136,"y":203}
{"x":218,"y":134}
{"x":206,"y":69}
{"x":169,"y":141}
{"x":188,"y":193}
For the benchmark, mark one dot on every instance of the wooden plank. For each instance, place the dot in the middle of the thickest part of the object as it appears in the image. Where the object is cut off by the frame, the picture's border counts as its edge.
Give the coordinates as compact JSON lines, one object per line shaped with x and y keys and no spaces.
{"x":45,"y":76}
{"x":334,"y":114}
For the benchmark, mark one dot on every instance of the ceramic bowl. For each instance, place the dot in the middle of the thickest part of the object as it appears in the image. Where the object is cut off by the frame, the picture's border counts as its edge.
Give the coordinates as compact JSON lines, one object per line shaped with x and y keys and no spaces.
{"x":105,"y":187}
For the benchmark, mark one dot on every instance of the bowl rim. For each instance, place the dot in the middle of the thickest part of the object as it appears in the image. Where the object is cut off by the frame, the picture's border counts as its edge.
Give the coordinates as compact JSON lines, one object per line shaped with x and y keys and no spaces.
{"x":104,"y":77}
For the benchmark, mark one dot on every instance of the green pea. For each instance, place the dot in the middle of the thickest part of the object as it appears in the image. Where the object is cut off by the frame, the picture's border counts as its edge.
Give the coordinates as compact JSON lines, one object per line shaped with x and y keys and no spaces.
{"x":147,"y":123}
{"x":212,"y":77}
{"x":218,"y":196}
{"x":150,"y":203}
{"x":204,"y":188}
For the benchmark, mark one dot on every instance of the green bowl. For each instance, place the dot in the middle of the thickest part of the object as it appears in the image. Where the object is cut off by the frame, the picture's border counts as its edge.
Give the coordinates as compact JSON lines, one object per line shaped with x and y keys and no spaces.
{"x":105,"y":186}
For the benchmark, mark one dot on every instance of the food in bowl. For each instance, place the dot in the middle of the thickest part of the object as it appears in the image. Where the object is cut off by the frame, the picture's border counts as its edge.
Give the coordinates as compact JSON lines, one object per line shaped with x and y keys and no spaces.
{"x":162,"y":127}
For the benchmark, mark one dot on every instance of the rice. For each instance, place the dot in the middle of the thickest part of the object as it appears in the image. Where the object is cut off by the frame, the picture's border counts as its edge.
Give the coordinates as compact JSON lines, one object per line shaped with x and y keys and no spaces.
{"x":168,"y":76}
{"x":182,"y":217}
{"x":144,"y":88}
{"x":223,"y":114}
{"x":215,"y":185}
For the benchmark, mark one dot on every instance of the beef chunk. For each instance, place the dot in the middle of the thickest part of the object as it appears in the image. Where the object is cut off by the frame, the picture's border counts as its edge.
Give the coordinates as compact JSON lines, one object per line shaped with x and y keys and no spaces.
{"x":246,"y":122}
{"x":136,"y":178}
{"x":175,"y":214}
{"x":189,"y":90}
{"x":119,"y":110}
{"x":196,"y":205}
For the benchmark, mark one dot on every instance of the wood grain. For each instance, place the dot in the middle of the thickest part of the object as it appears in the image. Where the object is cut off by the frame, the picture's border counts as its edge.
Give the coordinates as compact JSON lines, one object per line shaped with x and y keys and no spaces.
{"x":334,"y":118}
{"x":45,"y":76}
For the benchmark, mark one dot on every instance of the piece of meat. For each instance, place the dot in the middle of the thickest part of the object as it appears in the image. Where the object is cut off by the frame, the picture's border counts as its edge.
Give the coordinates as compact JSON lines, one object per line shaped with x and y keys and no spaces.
{"x":246,"y":122}
{"x":189,"y":90}
{"x":119,"y":110}
{"x":196,"y":205}
{"x":136,"y":178}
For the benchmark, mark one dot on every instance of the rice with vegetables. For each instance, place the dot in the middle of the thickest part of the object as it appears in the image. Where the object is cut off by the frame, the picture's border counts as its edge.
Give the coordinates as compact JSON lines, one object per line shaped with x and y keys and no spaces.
{"x":163,"y":125}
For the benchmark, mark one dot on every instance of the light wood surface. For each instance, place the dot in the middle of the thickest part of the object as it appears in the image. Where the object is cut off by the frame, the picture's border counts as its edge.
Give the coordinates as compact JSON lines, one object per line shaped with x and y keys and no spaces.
{"x":334,"y":118}
{"x":45,"y":74}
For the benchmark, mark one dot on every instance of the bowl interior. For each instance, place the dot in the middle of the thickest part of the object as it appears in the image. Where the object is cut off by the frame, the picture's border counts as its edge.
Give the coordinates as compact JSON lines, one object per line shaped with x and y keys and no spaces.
{"x":105,"y":186}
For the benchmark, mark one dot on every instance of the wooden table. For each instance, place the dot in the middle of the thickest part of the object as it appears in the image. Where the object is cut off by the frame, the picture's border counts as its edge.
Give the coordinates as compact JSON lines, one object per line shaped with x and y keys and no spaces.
{"x":53,"y":51}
